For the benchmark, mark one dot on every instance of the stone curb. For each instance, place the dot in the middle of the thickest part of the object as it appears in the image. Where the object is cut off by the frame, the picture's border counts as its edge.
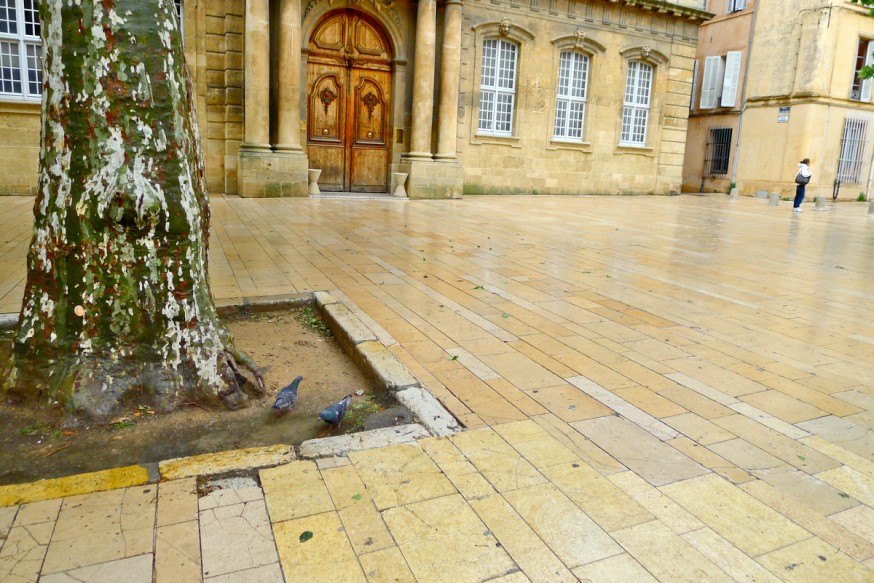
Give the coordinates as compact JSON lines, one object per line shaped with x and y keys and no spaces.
{"x":112,"y":479}
{"x":226,"y":461}
{"x":428,"y":409}
{"x":343,"y":444}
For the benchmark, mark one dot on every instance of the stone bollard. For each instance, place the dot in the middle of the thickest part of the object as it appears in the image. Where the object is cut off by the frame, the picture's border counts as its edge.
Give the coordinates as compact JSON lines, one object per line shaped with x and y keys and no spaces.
{"x":313,"y":176}
{"x":734,"y":194}
{"x":774,"y":199}
{"x":871,"y":207}
{"x":820,"y":203}
{"x":400,"y":178}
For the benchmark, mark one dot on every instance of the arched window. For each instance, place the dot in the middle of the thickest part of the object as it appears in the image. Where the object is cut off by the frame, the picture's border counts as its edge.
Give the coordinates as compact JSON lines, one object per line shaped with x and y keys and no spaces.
{"x":571,"y":91}
{"x":498,"y":87}
{"x":635,"y":110}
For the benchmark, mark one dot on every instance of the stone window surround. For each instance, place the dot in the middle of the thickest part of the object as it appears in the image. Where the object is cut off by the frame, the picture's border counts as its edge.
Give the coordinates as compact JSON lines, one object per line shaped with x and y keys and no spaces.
{"x":522,"y":38}
{"x":658,"y":62}
{"x":592,"y":49}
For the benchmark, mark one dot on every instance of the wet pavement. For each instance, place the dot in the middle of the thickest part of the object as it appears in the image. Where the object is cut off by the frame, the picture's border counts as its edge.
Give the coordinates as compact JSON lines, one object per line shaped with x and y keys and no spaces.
{"x":656,"y":388}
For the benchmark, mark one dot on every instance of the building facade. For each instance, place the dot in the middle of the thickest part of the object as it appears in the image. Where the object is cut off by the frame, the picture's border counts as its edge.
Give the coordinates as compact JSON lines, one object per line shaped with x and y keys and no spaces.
{"x":463,"y":96}
{"x":777,"y":82}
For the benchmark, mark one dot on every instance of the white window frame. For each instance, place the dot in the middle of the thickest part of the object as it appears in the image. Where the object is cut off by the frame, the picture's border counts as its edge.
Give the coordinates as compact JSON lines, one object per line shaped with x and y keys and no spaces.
{"x":711,"y":82}
{"x":498,"y":80}
{"x":860,"y":90}
{"x":571,"y":94}
{"x":736,"y":5}
{"x":25,"y":50}
{"x":638,"y":98}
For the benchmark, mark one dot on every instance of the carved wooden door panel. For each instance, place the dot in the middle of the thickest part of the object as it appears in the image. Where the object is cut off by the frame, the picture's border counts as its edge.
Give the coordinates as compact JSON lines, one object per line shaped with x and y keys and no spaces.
{"x":349,"y":103}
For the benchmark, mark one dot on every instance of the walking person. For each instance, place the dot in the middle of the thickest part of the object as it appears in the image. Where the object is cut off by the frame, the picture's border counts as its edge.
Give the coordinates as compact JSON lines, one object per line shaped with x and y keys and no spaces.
{"x":801,"y":180}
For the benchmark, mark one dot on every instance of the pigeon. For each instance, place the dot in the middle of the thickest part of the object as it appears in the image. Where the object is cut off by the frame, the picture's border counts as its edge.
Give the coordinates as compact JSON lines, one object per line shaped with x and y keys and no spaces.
{"x":333,"y":414}
{"x":287,"y":396}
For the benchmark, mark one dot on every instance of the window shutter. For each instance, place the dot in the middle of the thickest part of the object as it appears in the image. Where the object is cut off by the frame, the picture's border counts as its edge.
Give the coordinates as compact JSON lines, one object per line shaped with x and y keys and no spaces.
{"x":712,"y":66}
{"x":732,"y":75}
{"x":694,"y":84}
{"x":866,"y":84}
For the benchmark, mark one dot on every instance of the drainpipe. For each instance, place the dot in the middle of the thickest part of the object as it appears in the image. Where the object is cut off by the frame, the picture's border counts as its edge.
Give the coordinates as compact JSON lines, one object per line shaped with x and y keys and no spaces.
{"x":743,"y":107}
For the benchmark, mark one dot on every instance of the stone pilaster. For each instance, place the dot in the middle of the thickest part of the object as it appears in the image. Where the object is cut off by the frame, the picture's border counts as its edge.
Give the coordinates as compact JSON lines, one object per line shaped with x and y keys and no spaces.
{"x":292,"y":163}
{"x":423,"y":80}
{"x":450,"y":69}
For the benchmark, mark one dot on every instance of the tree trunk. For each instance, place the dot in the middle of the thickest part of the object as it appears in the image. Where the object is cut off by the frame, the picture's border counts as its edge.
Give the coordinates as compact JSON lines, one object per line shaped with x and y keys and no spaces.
{"x":117,"y":309}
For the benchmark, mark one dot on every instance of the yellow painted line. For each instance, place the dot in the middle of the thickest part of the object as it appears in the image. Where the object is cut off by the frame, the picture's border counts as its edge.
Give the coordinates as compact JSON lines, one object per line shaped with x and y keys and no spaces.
{"x":226,"y":461}
{"x":50,"y":489}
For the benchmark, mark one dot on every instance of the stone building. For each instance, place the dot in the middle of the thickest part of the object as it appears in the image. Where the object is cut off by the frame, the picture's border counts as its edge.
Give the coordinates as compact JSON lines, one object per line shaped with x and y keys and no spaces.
{"x":777,"y":82}
{"x":463,"y":96}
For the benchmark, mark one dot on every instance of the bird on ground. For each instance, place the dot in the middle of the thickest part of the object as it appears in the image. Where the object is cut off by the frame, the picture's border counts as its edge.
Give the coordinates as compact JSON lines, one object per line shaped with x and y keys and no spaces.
{"x":333,"y":414}
{"x":286,"y":398}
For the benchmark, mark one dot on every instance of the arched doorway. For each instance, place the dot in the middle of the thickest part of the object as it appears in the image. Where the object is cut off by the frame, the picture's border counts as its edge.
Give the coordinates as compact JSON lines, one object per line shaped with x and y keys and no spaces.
{"x":349,"y":102}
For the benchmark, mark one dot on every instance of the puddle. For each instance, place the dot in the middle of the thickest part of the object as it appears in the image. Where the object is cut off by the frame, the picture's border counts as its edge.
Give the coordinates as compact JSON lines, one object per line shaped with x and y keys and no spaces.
{"x":287,"y":343}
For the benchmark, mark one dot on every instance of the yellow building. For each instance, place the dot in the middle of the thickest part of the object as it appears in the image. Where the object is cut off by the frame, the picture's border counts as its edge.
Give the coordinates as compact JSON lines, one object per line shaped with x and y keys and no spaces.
{"x":775,"y":83}
{"x":472,"y":96}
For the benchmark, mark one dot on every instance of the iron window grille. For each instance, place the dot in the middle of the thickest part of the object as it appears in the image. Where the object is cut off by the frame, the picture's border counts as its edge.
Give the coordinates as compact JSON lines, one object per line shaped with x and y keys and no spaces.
{"x":718,"y":152}
{"x":853,"y":142}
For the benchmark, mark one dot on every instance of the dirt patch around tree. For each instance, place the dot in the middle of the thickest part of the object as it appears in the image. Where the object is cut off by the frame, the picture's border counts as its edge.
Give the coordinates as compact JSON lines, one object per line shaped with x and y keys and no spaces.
{"x":35,"y":445}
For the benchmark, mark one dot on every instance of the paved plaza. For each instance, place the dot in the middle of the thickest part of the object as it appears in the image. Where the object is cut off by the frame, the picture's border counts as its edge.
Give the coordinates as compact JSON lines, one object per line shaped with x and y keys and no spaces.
{"x":654,"y":389}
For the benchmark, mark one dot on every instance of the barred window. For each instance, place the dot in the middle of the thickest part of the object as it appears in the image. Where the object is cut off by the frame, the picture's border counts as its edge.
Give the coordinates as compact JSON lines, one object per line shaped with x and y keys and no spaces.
{"x":853,"y":142}
{"x":570,"y":103}
{"x":498,"y":87}
{"x":635,"y":113}
{"x":20,"y":50}
{"x":718,"y":152}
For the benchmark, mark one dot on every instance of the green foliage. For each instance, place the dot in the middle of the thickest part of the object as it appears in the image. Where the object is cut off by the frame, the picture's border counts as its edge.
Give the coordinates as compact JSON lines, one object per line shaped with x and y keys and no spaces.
{"x":122,"y":424}
{"x":309,"y":319}
{"x":731,"y":187}
{"x":861,"y":197}
{"x":36,"y":426}
{"x":867,"y":71}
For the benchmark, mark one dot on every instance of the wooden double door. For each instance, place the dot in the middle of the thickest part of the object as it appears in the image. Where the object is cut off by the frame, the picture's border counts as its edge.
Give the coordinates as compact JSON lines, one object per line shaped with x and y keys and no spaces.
{"x":349,"y":103}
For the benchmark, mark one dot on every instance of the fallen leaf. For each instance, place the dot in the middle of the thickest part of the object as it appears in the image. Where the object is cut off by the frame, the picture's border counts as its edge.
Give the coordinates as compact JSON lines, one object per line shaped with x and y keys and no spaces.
{"x":305,"y":536}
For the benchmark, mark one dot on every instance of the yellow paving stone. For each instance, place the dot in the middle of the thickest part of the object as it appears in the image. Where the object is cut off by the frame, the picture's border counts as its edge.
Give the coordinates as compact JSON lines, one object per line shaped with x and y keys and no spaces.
{"x":580,"y":445}
{"x":789,"y":450}
{"x":619,"y":568}
{"x":728,"y":557}
{"x":698,"y":428}
{"x":859,"y":520}
{"x":326,"y":556}
{"x":23,"y":551}
{"x":362,"y":522}
{"x":746,"y":455}
{"x":812,"y":492}
{"x":226,"y":461}
{"x":650,"y":402}
{"x":567,"y":530}
{"x":499,"y":463}
{"x":543,"y":359}
{"x":711,"y":460}
{"x":472,"y":486}
{"x":36,"y":513}
{"x":535,"y":444}
{"x":569,"y":403}
{"x":813,"y":561}
{"x":738,"y":517}
{"x":695,"y":402}
{"x":399,"y":475}
{"x":294,"y":490}
{"x":597,"y":496}
{"x":856,"y":462}
{"x":828,"y":530}
{"x":517,"y":397}
{"x":783,"y":406}
{"x":717,"y":377}
{"x":522,"y":371}
{"x":177,"y":552}
{"x":655,"y":349}
{"x":519,"y":540}
{"x":653,"y":501}
{"x":386,"y":566}
{"x":177,"y":501}
{"x":447,"y":457}
{"x":667,"y":556}
{"x":478,"y":395}
{"x":812,"y":397}
{"x":514,"y":577}
{"x":854,"y":483}
{"x":443,"y":540}
{"x":73,"y":485}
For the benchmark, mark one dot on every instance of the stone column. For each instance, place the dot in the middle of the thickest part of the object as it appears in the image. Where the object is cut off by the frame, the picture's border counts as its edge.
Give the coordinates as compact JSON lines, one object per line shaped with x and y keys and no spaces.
{"x":423,"y":80}
{"x":256,"y":134}
{"x":450,"y":69}
{"x":288,"y":108}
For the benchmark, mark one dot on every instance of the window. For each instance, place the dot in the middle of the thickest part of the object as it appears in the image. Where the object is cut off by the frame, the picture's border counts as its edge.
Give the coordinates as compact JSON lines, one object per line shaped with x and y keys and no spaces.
{"x":497,"y":87}
{"x":20,"y":50}
{"x":861,"y":89}
{"x":730,"y":81}
{"x":718,"y":151}
{"x":570,"y":102}
{"x":635,"y":113}
{"x":853,"y":144}
{"x":736,"y":5}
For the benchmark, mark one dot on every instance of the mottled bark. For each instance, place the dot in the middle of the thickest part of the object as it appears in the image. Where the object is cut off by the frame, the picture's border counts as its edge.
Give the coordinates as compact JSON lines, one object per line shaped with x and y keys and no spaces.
{"x":117,"y":309}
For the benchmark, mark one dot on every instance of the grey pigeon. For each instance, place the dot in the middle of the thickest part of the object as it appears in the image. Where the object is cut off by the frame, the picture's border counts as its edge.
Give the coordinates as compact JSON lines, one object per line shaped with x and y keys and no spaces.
{"x":286,"y":398}
{"x":333,"y":414}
